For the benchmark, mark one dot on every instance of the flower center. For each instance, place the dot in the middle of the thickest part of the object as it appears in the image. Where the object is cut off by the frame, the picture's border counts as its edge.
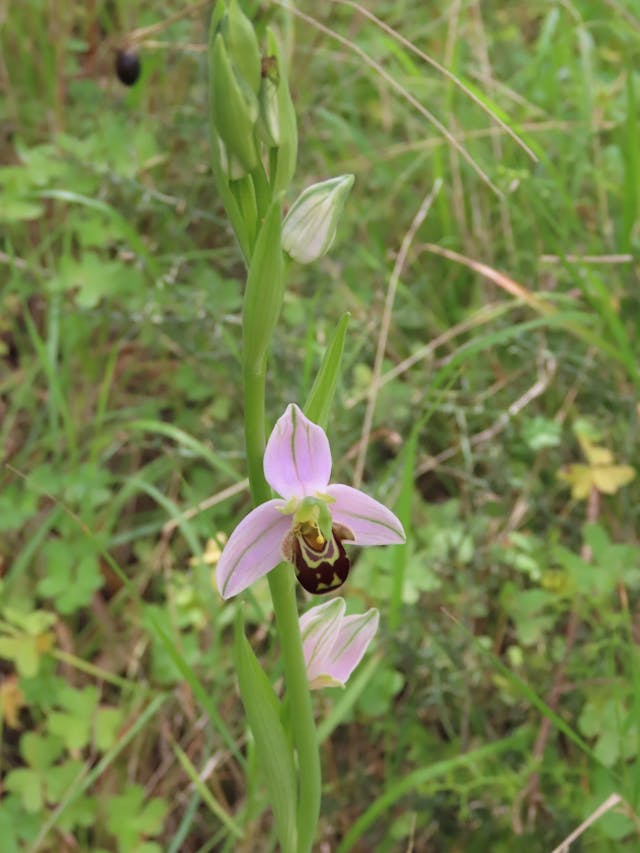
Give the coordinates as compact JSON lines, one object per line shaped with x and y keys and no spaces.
{"x":311,"y":534}
{"x":311,"y":518}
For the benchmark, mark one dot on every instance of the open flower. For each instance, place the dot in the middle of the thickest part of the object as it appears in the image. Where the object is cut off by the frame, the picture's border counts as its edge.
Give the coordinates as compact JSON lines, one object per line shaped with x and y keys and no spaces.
{"x":334,"y":644}
{"x":309,"y":523}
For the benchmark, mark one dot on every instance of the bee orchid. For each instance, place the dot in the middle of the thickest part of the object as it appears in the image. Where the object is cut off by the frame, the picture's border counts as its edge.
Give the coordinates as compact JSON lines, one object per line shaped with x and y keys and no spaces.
{"x":309,"y":523}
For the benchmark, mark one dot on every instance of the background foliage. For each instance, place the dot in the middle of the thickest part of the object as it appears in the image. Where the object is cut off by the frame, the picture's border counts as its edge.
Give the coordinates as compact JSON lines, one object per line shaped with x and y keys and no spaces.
{"x":503,"y":701}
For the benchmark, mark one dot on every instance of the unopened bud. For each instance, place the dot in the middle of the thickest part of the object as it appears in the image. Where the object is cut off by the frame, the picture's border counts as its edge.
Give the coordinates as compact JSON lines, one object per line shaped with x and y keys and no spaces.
{"x":269,"y":121}
{"x":241,"y":43}
{"x":234,"y":107}
{"x":311,"y":224}
{"x":278,"y":116}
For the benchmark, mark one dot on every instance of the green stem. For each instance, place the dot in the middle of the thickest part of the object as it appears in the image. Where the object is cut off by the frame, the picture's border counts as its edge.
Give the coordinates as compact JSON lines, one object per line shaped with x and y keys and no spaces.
{"x":254,"y":436}
{"x":281,"y":584}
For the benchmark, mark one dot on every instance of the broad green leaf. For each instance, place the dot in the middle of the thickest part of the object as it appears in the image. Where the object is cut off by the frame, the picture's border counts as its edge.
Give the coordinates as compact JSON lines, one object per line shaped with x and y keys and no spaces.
{"x":40,"y":751}
{"x":272,"y":744}
{"x":73,"y":724}
{"x":25,"y":651}
{"x":131,"y":818}
{"x":60,"y":778}
{"x":27,"y":784}
{"x":18,"y":210}
{"x":321,"y":395}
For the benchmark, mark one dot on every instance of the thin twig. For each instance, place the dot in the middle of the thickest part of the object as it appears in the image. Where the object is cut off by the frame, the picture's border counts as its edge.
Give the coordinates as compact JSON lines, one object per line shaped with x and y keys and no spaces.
{"x":610,"y":803}
{"x":398,"y":267}
{"x":497,"y":277}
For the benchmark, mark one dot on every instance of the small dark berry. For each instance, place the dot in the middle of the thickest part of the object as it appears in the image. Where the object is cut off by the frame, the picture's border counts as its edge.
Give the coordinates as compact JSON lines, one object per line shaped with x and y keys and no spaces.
{"x":127,"y":66}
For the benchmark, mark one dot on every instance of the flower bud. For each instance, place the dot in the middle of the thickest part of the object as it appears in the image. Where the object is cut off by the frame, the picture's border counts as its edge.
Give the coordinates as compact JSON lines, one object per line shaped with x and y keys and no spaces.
{"x":242,"y":46}
{"x":311,"y":224}
{"x":333,"y":643}
{"x":269,"y":120}
{"x":234,"y":108}
{"x":277,"y":124}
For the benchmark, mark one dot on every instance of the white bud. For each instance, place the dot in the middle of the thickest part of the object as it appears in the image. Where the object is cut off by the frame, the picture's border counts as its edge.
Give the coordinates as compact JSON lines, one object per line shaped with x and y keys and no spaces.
{"x":310,"y":226}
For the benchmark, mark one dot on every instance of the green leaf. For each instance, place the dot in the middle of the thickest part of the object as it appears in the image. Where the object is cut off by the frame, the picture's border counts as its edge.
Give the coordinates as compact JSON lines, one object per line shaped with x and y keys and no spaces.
{"x":73,"y":574}
{"x":82,"y":812}
{"x":17,"y":210}
{"x":16,"y":824}
{"x":23,"y":652}
{"x":321,"y":395}
{"x":27,"y":784}
{"x":40,"y":751}
{"x":73,"y":724}
{"x":272,"y":745}
{"x":106,"y":725}
{"x":130,"y":818}
{"x":531,"y":610}
{"x":93,"y":278}
{"x":540,"y":433}
{"x":17,"y":505}
{"x":60,"y":778}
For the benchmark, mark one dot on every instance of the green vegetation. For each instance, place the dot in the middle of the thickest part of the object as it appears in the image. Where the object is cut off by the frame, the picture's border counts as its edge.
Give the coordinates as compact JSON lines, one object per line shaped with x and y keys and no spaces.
{"x":488,"y":257}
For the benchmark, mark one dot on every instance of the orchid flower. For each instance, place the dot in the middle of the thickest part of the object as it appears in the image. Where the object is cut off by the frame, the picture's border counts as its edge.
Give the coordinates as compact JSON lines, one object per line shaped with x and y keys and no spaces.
{"x":334,"y":644}
{"x":309,"y":522}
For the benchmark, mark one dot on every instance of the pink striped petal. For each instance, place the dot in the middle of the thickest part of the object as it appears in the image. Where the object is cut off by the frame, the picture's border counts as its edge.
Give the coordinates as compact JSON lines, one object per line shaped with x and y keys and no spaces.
{"x":369,"y":520}
{"x":253,"y":549}
{"x":319,"y":627}
{"x":356,"y":632}
{"x":297,"y":461}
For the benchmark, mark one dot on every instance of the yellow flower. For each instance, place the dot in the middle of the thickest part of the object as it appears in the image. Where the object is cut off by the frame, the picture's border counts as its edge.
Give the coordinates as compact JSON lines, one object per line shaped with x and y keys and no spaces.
{"x":599,"y":473}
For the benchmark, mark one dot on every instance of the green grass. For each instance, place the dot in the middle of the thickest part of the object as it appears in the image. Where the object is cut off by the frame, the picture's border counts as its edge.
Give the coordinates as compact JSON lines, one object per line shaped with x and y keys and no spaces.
{"x":514,"y":324}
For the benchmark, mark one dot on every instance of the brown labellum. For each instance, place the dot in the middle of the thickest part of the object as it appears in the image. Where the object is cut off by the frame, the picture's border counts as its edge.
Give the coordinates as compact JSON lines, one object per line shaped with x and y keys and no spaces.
{"x":321,"y":565}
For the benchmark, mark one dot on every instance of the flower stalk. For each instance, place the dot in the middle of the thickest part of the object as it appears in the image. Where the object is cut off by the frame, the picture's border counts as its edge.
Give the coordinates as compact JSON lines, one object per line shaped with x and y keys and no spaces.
{"x":254,"y":148}
{"x":282,"y":588}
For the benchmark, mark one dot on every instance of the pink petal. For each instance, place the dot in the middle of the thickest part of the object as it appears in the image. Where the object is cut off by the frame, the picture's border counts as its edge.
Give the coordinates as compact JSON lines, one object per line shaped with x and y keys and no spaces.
{"x":253,"y":549}
{"x":297,"y":461}
{"x":356,"y":632}
{"x":371,"y":522}
{"x":319,"y":627}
